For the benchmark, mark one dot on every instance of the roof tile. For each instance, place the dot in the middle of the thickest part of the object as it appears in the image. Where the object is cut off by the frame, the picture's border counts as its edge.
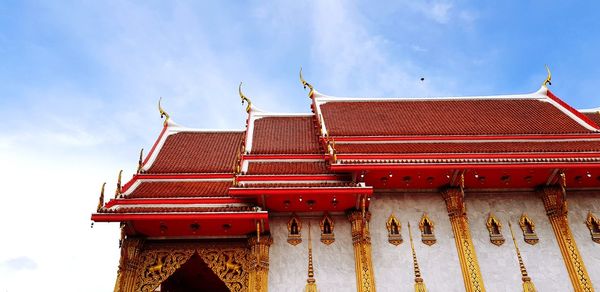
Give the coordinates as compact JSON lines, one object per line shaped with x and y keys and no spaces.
{"x":198,"y":152}
{"x":287,"y":168}
{"x":170,"y":189}
{"x":595,"y":117}
{"x":446,"y":117}
{"x":285,"y":135}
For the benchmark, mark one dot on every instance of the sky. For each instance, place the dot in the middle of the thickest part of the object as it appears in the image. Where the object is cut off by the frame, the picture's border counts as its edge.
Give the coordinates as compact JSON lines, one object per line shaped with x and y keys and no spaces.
{"x":80,"y":81}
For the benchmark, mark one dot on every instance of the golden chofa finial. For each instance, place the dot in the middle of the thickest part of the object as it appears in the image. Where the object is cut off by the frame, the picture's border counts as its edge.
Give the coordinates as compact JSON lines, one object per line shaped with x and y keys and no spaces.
{"x":140,"y":161}
{"x":119,"y":188}
{"x":306,"y":84}
{"x":163,"y":113}
{"x":244,"y":98}
{"x":548,"y":80}
{"x":101,"y":199}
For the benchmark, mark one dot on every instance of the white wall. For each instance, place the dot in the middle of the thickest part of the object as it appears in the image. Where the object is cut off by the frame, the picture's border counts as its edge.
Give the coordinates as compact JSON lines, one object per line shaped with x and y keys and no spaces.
{"x":499,"y":265}
{"x":440,"y":268}
{"x":580,"y":203}
{"x":393,"y":264}
{"x":333,"y":264}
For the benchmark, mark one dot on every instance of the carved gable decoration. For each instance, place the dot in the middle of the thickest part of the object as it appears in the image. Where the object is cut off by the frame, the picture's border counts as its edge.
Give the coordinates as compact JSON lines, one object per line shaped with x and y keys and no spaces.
{"x":426,"y":226}
{"x":528,"y":228}
{"x":495,"y":229}
{"x":593,"y":224}
{"x":326,"y":224}
{"x":294,"y":227}
{"x":394,"y":227}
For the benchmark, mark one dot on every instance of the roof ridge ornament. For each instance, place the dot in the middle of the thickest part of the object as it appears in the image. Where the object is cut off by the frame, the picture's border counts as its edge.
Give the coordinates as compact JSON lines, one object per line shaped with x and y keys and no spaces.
{"x":306,"y":84}
{"x":163,"y":113}
{"x":548,"y":80}
{"x":119,"y":187}
{"x":140,"y":161}
{"x":244,"y":98}
{"x":101,"y":199}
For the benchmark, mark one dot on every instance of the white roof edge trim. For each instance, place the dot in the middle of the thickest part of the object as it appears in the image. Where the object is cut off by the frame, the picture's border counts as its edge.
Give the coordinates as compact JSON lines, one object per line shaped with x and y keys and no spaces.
{"x":543,"y":90}
{"x":589,"y":110}
{"x":174,"y":128}
{"x":316,"y":96}
{"x":321,"y":98}
{"x":252,"y":116}
{"x":272,"y":114}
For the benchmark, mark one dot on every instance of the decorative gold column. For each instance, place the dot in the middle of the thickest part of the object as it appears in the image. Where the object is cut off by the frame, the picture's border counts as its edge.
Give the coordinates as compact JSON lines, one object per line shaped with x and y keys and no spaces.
{"x":259,"y":266}
{"x":555,"y":202}
{"x":361,"y":240}
{"x":469,"y":265}
{"x":128,"y":263}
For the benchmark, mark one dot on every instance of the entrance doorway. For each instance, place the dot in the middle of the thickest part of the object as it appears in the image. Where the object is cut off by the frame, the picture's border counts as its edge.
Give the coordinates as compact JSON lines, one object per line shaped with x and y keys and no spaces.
{"x":194,"y":276}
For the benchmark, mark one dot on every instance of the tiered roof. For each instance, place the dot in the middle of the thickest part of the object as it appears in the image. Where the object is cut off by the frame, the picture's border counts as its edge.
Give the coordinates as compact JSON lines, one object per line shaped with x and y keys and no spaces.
{"x":182,"y":188}
{"x":332,"y":159}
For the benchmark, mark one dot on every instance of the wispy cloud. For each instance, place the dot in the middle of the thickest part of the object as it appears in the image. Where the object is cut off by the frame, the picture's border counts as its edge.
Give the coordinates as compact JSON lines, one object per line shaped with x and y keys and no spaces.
{"x":20,"y":263}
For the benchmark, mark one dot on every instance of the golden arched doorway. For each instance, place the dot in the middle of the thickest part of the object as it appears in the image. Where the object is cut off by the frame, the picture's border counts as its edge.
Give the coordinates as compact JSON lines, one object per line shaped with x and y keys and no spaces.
{"x":144,"y":266}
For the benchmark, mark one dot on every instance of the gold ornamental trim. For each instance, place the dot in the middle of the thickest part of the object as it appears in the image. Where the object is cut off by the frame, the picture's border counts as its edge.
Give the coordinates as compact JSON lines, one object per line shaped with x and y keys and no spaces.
{"x":242,"y":267}
{"x":495,"y":230}
{"x":394,"y":228}
{"x":469,"y":265}
{"x":555,"y":203}
{"x":361,"y":241}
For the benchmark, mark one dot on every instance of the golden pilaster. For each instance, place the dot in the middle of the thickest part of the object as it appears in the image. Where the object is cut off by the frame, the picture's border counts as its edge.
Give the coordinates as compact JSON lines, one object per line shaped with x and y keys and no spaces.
{"x":361,"y":240}
{"x":259,"y":266}
{"x":527,"y":284}
{"x":555,"y":202}
{"x":126,"y":274}
{"x":469,"y":265}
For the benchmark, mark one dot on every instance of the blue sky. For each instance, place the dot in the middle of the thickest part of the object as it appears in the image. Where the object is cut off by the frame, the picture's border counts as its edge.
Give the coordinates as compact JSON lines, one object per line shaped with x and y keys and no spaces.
{"x":80,"y":81}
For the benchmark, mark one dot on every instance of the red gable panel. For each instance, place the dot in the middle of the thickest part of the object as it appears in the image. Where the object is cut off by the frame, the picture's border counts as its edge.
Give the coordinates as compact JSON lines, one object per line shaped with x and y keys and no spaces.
{"x":446,"y":117}
{"x":285,"y":135}
{"x":198,"y":152}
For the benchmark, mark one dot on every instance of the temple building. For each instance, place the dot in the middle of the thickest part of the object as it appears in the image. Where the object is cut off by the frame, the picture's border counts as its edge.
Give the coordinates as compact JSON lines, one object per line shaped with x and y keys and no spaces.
{"x":480,"y":193}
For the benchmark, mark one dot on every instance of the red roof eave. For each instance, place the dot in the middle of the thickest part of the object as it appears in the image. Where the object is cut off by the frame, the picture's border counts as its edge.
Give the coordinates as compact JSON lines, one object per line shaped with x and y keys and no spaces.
{"x":396,"y":166}
{"x":481,"y":138}
{"x":306,"y":190}
{"x":174,"y":201}
{"x":118,"y":217}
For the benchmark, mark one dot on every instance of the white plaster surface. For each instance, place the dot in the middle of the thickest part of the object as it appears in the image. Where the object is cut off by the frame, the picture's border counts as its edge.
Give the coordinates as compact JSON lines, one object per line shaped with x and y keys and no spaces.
{"x":580,"y":203}
{"x":499,"y":265}
{"x":333,"y":264}
{"x":440,"y":268}
{"x":393,"y":264}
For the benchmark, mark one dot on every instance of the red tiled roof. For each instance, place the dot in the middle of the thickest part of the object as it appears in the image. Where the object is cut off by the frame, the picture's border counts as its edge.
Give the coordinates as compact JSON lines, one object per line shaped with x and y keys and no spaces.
{"x":198,"y":152}
{"x":595,"y":117}
{"x":483,"y":147}
{"x":285,"y":135}
{"x":170,"y":189}
{"x":446,"y":117}
{"x":287,"y":168}
{"x":147,"y":209}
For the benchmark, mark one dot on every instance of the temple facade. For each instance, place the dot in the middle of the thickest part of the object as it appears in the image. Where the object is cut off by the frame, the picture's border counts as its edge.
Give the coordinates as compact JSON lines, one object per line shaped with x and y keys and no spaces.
{"x":482,"y":193}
